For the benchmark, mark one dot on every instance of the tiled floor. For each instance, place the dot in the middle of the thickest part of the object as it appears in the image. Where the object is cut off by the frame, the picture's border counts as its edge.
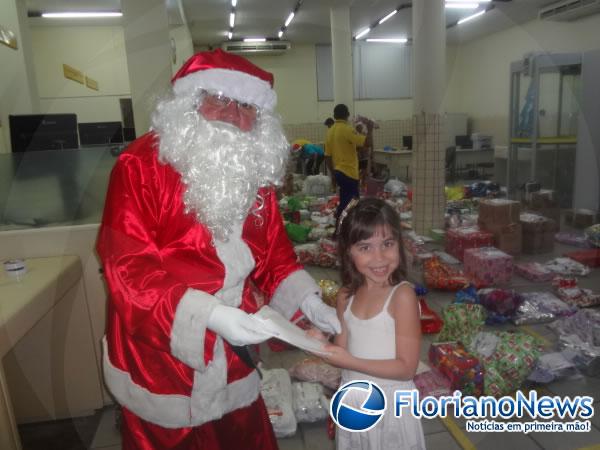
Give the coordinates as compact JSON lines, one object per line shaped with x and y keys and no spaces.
{"x":447,"y":435}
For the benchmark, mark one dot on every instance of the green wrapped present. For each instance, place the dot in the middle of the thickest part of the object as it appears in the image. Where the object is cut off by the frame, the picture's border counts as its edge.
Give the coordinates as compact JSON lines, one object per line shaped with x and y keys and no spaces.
{"x":462,"y":321}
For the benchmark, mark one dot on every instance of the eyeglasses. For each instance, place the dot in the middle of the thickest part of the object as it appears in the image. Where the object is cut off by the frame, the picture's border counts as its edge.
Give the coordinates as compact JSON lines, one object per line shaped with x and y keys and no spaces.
{"x":222,"y":101}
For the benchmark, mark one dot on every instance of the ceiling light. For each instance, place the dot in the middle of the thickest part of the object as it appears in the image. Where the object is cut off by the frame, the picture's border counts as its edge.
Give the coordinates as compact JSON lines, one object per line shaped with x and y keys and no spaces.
{"x":289,"y":19}
{"x":388,"y":16}
{"x":390,"y":40}
{"x":362,"y":33}
{"x":280,"y":34}
{"x":471,"y":17}
{"x":234,"y":3}
{"x":255,"y":40}
{"x":231,"y":19}
{"x":459,"y":5}
{"x":229,"y":35}
{"x":80,"y":15}
{"x":467,"y":1}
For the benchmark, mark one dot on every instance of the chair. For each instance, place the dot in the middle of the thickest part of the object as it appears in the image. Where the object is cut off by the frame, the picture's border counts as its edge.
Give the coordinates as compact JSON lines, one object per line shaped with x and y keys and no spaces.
{"x":450,"y":162}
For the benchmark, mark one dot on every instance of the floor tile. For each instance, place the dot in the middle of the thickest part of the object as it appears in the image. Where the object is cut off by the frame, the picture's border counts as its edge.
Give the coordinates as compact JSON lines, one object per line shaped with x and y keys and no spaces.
{"x":315,"y":436}
{"x":291,"y":443}
{"x":107,"y":433}
{"x":566,"y":441}
{"x":441,"y":441}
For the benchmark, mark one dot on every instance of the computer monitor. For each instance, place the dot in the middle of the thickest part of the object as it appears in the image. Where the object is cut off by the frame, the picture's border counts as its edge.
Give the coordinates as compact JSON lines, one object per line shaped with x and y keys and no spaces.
{"x":407,"y":142}
{"x":32,"y":132}
{"x":463,"y":141}
{"x":100,"y":133}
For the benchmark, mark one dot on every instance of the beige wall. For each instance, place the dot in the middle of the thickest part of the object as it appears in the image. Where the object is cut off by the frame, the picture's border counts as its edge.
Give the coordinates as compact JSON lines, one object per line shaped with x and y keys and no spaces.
{"x":480,"y":81}
{"x":98,"y":52}
{"x":18,"y":92}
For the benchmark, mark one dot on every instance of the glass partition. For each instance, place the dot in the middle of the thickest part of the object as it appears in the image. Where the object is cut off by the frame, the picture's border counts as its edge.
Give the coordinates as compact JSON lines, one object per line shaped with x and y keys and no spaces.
{"x":54,"y":187}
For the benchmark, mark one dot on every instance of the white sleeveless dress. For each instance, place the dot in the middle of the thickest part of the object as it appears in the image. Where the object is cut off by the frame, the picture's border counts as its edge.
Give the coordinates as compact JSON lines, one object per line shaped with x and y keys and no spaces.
{"x":375,"y":338}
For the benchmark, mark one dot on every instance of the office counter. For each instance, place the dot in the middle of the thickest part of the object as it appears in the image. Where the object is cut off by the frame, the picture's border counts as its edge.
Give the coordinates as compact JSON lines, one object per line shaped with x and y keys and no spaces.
{"x":49,"y":369}
{"x":399,"y":162}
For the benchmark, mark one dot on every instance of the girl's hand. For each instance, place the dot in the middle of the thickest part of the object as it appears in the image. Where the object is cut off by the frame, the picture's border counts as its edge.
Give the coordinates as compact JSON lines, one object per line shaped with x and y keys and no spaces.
{"x":315,"y":333}
{"x":338,"y":356}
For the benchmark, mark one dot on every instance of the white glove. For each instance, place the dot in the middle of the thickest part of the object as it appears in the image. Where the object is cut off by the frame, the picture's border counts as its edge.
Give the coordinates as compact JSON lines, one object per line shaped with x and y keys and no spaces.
{"x":321,"y":315}
{"x":236,"y":326}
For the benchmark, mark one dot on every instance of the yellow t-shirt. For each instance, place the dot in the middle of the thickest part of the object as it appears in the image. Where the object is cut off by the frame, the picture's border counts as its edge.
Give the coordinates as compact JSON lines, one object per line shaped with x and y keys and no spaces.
{"x":340,"y":145}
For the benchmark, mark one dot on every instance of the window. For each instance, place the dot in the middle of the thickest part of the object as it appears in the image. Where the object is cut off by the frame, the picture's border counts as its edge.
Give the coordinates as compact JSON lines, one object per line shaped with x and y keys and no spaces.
{"x":381,"y":71}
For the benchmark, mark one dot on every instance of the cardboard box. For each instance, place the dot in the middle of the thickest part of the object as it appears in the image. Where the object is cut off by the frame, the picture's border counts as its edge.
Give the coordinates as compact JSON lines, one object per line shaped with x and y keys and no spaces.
{"x":538,"y":233}
{"x":508,"y":238}
{"x":488,"y":266}
{"x":498,"y":212}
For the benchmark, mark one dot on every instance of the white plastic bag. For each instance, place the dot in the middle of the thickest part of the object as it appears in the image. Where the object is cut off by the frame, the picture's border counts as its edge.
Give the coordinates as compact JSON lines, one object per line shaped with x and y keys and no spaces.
{"x":276,"y":391}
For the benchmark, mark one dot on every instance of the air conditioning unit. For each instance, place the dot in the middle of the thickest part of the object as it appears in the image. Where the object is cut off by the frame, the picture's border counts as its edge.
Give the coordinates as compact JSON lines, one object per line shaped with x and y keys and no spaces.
{"x":268,"y":47}
{"x":568,"y":10}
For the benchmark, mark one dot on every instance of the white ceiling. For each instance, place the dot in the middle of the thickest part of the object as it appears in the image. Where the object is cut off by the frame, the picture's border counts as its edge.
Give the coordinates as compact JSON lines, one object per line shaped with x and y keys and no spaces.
{"x":209,"y":19}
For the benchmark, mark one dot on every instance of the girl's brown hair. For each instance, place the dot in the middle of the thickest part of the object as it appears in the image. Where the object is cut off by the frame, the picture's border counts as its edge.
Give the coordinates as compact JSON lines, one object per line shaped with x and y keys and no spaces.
{"x":357,"y":223}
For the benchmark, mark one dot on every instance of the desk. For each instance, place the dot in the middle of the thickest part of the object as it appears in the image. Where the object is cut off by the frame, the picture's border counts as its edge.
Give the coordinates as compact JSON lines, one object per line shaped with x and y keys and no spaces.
{"x":399,"y":162}
{"x":49,"y":368}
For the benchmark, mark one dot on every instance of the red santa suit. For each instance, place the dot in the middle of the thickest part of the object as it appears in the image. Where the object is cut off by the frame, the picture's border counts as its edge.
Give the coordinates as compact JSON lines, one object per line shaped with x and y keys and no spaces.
{"x":180,"y":384}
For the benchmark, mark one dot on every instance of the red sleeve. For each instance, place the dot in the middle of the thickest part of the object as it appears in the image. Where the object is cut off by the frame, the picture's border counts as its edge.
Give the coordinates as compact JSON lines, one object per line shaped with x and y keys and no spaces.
{"x":275,"y":256}
{"x":142,"y":292}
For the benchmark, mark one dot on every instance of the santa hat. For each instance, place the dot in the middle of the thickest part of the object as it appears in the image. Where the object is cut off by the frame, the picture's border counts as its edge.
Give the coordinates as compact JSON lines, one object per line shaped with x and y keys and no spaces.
{"x":232,"y":75}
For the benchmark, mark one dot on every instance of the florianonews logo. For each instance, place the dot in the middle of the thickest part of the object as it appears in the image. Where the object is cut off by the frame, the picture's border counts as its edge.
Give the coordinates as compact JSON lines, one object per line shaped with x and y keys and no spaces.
{"x":357,"y":405}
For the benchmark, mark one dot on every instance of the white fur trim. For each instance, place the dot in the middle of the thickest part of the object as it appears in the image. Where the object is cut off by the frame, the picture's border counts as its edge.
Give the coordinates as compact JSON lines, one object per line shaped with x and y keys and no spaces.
{"x":177,"y":411}
{"x":189,"y":327}
{"x":238,"y":261}
{"x":232,"y":83}
{"x":292,"y":291}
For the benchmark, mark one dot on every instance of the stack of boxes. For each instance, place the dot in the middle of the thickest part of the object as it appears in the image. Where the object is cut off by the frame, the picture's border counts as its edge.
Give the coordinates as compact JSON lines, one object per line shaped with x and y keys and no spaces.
{"x":538,"y":233}
{"x":500,"y":217}
{"x":543,"y":202}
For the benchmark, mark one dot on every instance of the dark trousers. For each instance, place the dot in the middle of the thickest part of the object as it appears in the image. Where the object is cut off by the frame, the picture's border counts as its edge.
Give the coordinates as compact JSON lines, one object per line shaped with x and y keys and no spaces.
{"x":313,"y":164}
{"x":348,"y":190}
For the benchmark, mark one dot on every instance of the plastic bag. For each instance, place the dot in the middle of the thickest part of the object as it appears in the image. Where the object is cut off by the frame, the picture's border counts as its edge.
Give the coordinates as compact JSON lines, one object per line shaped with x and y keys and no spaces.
{"x":316,"y":370}
{"x":276,"y":391}
{"x":297,"y":233}
{"x":309,"y":402}
{"x":395,"y":187}
{"x":567,"y":266}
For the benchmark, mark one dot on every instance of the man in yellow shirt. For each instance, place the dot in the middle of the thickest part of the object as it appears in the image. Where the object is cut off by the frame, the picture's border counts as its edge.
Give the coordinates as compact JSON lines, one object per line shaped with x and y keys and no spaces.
{"x":341,"y":156}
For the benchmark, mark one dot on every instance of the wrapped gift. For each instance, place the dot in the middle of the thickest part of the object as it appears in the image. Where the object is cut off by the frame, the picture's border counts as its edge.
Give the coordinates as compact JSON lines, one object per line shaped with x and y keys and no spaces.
{"x":498,"y":212}
{"x":576,"y":239}
{"x":307,"y":253}
{"x":329,"y":291}
{"x":593,"y":235}
{"x":462,"y":238}
{"x":432,"y":384}
{"x":462,"y":321}
{"x":538,"y":233}
{"x":513,"y":360}
{"x":462,"y":369}
{"x":488,"y":266}
{"x":590,"y":258}
{"x":534,"y":271}
{"x":438,"y":275}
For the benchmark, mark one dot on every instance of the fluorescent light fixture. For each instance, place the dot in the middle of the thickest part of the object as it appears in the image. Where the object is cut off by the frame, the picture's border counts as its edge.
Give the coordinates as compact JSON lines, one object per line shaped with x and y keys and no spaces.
{"x":388,"y":16}
{"x":471,"y":17}
{"x":255,"y":39}
{"x":80,"y":15}
{"x":467,"y":1}
{"x":234,"y":3}
{"x":289,"y":19}
{"x":462,"y":5}
{"x":231,"y":20}
{"x":390,"y":40}
{"x":280,"y":34}
{"x":229,"y":35}
{"x":362,"y":33}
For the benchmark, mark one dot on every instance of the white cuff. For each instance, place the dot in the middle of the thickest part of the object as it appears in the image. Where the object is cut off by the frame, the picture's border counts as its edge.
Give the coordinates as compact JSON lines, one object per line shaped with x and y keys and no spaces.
{"x":189,"y":327}
{"x":292,"y":291}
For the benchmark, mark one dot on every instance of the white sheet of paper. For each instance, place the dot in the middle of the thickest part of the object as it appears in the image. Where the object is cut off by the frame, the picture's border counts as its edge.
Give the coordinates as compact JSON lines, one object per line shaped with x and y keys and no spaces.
{"x":281,"y":328}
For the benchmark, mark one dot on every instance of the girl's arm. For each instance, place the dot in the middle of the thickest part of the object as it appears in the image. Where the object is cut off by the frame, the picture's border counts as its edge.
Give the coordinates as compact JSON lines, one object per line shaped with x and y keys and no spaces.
{"x":405,"y":311}
{"x":341,"y":303}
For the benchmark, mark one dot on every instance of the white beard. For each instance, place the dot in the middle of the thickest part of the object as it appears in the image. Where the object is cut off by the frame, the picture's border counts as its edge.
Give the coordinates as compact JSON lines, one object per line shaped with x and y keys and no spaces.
{"x":221,"y":166}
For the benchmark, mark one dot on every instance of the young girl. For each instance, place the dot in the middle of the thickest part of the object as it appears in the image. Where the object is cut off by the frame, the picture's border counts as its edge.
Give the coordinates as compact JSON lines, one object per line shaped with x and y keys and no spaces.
{"x":379,"y":313}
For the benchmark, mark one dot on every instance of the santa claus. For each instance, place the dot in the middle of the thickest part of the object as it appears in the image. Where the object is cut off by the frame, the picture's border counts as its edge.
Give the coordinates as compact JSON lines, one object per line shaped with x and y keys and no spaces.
{"x":190,"y":228}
